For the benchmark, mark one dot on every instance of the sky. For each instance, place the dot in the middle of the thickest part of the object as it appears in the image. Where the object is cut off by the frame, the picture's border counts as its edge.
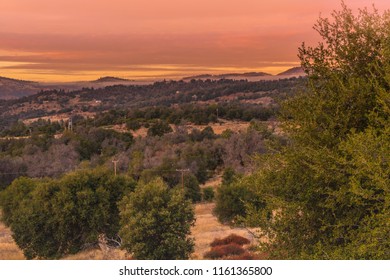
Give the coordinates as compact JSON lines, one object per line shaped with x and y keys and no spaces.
{"x":79,"y":40}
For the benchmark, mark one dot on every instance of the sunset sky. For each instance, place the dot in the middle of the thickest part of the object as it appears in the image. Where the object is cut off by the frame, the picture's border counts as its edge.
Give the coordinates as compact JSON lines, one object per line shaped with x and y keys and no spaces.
{"x":71,"y":40}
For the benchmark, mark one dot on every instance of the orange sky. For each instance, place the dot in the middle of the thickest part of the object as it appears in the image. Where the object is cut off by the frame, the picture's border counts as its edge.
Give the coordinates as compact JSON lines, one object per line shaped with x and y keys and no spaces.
{"x":69,"y":40}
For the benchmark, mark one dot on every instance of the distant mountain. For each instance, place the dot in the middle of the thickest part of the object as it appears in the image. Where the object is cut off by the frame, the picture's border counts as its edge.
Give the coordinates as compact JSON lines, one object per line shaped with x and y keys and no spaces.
{"x":109,"y":79}
{"x":295,"y":71}
{"x":12,"y":88}
{"x":233,"y":76}
{"x":251,"y":76}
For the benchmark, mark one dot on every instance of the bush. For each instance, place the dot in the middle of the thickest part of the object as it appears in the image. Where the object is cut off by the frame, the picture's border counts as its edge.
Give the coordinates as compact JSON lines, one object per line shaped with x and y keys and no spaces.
{"x":231,"y":239}
{"x":159,"y":128}
{"x":51,"y":218}
{"x":208,"y":194}
{"x":218,"y":252}
{"x":192,"y":189}
{"x":231,"y":201}
{"x":156,"y":222}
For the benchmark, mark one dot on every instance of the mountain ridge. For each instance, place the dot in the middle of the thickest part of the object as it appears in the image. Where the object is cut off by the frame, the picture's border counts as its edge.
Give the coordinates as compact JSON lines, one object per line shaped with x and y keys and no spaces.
{"x":14,"y":88}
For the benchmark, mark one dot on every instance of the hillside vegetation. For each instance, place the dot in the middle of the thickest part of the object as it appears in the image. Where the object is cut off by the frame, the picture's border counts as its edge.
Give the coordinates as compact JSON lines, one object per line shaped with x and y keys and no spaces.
{"x":126,"y":166}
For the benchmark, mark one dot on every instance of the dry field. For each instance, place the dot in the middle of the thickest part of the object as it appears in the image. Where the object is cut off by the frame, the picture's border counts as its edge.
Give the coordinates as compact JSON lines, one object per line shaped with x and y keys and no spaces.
{"x":218,"y":128}
{"x":235,"y":126}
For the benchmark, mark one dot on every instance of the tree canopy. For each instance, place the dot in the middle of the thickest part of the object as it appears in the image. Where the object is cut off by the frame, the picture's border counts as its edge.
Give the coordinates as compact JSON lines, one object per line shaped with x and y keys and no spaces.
{"x":327,"y":191}
{"x":156,"y":222}
{"x":53,"y":217}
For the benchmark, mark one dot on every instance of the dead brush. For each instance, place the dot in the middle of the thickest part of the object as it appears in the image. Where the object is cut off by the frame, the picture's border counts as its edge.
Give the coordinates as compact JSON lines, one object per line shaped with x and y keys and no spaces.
{"x":231,"y":239}
{"x":218,"y":252}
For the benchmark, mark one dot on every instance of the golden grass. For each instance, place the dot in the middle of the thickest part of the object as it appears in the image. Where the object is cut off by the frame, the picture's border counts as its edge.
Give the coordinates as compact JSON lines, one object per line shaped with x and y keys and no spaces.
{"x":97,"y":254}
{"x":234,"y":126}
{"x":8,"y":248}
{"x":207,"y":228}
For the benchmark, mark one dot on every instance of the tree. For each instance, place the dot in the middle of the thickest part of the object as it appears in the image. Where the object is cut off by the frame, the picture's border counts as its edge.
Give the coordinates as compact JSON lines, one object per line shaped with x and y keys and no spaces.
{"x":51,"y":218}
{"x":159,"y":128}
{"x":208,"y":194}
{"x":231,"y":200}
{"x":326,"y":193}
{"x":191,"y":188}
{"x":156,"y":222}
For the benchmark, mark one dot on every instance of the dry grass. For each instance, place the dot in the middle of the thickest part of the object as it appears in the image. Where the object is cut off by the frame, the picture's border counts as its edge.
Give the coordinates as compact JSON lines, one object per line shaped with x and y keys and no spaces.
{"x":97,"y":254}
{"x":207,"y":228}
{"x":218,"y":128}
{"x":8,"y":248}
{"x":218,"y":252}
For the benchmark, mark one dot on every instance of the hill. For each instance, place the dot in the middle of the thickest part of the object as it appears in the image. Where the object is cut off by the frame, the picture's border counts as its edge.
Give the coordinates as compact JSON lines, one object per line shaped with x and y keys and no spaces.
{"x":110,"y":80}
{"x":233,"y":76}
{"x":295,"y":71}
{"x":12,"y":88}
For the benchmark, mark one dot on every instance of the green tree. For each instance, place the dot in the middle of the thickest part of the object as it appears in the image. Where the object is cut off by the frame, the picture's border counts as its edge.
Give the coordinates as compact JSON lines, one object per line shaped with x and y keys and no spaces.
{"x":232,"y":198}
{"x":159,"y":128}
{"x":156,"y":222}
{"x":327,"y":192}
{"x":208,"y":194}
{"x":51,"y":218}
{"x":192,"y":189}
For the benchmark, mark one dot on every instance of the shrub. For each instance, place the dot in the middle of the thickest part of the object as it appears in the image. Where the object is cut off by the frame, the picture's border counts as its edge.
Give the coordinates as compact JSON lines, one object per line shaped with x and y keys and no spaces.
{"x":218,"y":252}
{"x":231,"y":239}
{"x":156,"y":221}
{"x":159,"y":128}
{"x":51,"y":218}
{"x":208,"y":194}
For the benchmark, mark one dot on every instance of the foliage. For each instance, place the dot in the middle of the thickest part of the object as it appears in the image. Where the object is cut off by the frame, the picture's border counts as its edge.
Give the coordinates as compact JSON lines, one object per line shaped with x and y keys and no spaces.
{"x":231,"y":201}
{"x":156,"y":222}
{"x":208,"y":194}
{"x":229,"y":176}
{"x":327,"y":193}
{"x":159,"y":128}
{"x":192,"y":189}
{"x":51,"y":218}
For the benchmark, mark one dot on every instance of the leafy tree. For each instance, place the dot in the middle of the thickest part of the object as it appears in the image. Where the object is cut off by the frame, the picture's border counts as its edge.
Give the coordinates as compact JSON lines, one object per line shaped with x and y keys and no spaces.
{"x":232,"y":197}
{"x":159,"y":128}
{"x":228,"y":176}
{"x":208,"y":194}
{"x":156,"y":222}
{"x":192,"y":189}
{"x":326,"y":193}
{"x":50,"y":218}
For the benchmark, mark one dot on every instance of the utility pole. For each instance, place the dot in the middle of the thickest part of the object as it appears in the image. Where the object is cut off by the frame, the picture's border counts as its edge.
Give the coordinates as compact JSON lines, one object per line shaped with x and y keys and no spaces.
{"x":182,"y":175}
{"x":70,"y":124}
{"x":115,"y":162}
